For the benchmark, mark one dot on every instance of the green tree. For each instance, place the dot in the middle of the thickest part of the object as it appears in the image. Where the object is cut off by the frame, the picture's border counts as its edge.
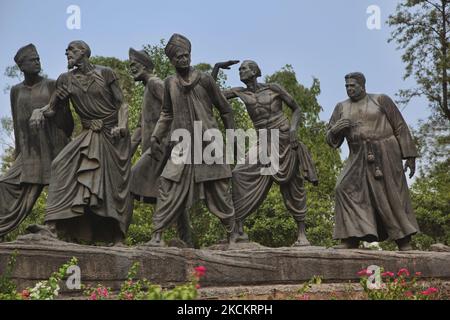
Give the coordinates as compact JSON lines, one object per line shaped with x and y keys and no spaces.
{"x":431,"y":200}
{"x":421,"y":30}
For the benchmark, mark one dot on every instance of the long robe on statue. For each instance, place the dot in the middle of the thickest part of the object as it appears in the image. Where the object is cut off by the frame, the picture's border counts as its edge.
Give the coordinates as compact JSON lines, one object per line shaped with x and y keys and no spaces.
{"x":187,"y":102}
{"x":147,"y":170}
{"x":22,"y":184}
{"x":372,"y":197}
{"x":89,"y":195}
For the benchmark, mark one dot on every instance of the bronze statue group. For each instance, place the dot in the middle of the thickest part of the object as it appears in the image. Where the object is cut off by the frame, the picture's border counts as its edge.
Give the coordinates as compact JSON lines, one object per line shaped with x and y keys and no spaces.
{"x":92,"y":184}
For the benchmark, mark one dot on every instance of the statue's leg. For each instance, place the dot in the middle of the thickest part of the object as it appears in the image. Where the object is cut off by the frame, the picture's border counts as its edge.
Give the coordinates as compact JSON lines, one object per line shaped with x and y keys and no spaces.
{"x":219,"y":202}
{"x":250,"y":188}
{"x":404,"y":244}
{"x":349,"y":243}
{"x":170,"y":205}
{"x":294,"y":196}
{"x":16,"y":203}
{"x":184,"y":229}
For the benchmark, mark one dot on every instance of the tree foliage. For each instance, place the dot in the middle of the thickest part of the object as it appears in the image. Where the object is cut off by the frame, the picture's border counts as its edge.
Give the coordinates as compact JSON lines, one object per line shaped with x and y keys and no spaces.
{"x":421,"y":30}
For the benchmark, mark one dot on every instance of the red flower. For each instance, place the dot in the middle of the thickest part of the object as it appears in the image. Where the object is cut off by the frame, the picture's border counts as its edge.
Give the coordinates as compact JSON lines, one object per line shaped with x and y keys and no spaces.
{"x":430,"y":291}
{"x":408,"y":294}
{"x":418,"y":274}
{"x":197,"y":286}
{"x":25,"y":294}
{"x":304,"y":297}
{"x":93,"y":296}
{"x":200,"y":271}
{"x":388,"y":274}
{"x":403,"y":271}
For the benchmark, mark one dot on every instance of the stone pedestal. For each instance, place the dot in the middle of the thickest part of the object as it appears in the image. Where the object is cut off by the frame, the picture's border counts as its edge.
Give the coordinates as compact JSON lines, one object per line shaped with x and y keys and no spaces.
{"x":240,"y":266}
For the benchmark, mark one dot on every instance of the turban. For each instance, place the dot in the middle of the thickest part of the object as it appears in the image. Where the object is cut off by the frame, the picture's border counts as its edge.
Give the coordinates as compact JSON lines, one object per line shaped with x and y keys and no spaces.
{"x":142,"y":57}
{"x":26,"y":51}
{"x":177,"y":42}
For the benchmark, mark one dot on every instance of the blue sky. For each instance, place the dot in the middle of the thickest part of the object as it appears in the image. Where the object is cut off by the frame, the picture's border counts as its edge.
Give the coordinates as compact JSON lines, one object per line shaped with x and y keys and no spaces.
{"x":324,"y":39}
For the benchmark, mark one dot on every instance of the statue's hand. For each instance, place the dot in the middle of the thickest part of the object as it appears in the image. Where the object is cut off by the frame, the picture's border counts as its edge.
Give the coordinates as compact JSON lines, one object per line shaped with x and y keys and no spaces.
{"x":62,"y":92}
{"x":155,"y":148}
{"x":226,"y":64}
{"x":341,"y":125}
{"x":118,"y":132}
{"x":37,"y":119}
{"x":293,"y":139}
{"x":411,"y":164}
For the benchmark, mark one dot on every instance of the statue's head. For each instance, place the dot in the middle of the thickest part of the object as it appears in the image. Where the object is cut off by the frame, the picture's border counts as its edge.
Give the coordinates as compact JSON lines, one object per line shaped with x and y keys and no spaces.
{"x":27,"y":59}
{"x":355,"y":84}
{"x":76,"y":52}
{"x":249,"y":70}
{"x":140,"y":64}
{"x":178,"y":50}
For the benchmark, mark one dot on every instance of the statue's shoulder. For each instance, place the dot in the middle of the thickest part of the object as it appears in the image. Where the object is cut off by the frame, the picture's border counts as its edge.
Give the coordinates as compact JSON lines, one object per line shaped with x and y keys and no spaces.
{"x":64,"y":77}
{"x":155,"y":80}
{"x":205,"y":77}
{"x":272,"y":86}
{"x":106,"y":72}
{"x":170,"y":80}
{"x":380,"y":99}
{"x":343,"y":104}
{"x":16,"y":87}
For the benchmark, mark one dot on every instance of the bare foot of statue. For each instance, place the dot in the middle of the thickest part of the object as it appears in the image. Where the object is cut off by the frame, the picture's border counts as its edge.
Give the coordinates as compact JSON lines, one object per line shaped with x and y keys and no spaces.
{"x":350,"y":243}
{"x":404,"y":244}
{"x":302,"y":241}
{"x":156,"y":241}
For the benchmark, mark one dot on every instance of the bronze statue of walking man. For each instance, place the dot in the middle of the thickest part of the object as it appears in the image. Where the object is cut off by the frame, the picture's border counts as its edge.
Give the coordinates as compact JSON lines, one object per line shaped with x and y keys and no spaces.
{"x":372,"y":197}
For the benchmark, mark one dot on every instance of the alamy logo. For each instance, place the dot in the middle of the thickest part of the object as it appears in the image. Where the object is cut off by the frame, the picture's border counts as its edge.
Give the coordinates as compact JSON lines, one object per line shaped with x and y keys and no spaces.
{"x":374,"y":20}
{"x":210,"y":147}
{"x":74,"y":280}
{"x":74,"y":20}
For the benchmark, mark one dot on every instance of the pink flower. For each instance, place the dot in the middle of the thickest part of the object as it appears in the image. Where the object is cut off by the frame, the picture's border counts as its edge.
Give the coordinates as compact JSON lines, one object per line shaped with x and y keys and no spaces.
{"x":388,"y":274}
{"x":93,"y":296}
{"x":403,"y":271}
{"x":25,"y":294}
{"x":129,"y":296}
{"x":408,"y":294}
{"x":105,"y":292}
{"x":418,"y":274}
{"x":197,"y":286}
{"x":430,"y":291}
{"x":364,"y":272}
{"x":200,"y":271}
{"x":304,"y":297}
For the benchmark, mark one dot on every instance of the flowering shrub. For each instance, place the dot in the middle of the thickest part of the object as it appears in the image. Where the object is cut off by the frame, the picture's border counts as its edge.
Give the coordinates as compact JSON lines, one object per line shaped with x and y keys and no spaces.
{"x":99,"y":293}
{"x":48,"y":289}
{"x":7,"y":286}
{"x":400,"y":286}
{"x":142,"y":289}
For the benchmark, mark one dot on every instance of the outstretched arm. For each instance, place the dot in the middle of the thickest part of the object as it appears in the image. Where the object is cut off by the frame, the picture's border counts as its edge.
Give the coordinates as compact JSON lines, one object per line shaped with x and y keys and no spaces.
{"x":59,"y":99}
{"x":222,"y":65}
{"x":228,"y":93}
